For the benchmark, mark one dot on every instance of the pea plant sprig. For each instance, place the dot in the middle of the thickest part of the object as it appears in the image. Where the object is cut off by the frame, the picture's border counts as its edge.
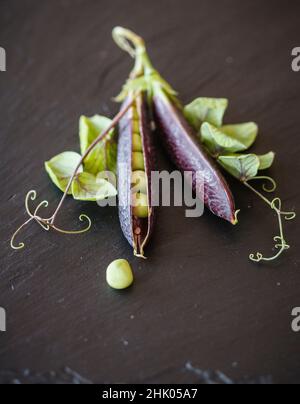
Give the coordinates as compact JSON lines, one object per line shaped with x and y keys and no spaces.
{"x":226,"y":144}
{"x":76,"y":175}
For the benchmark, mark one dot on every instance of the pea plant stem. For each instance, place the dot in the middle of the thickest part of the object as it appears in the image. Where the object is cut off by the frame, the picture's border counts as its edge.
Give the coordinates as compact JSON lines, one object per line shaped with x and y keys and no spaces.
{"x":125,"y":38}
{"x":261,"y":196}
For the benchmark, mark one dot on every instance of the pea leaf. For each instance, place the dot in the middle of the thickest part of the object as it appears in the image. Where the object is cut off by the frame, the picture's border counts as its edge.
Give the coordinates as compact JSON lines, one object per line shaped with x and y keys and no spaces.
{"x":266,"y":161}
{"x":245,"y":133}
{"x":90,"y":128}
{"x":87,"y":187}
{"x":111,"y":155}
{"x":243,"y":166}
{"x":103,"y":156}
{"x":61,"y":168}
{"x":209,"y":110}
{"x":228,"y":139}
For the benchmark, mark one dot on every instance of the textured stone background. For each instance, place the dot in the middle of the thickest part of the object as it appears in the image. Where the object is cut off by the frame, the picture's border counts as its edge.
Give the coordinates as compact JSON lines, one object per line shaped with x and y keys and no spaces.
{"x":197,"y":302}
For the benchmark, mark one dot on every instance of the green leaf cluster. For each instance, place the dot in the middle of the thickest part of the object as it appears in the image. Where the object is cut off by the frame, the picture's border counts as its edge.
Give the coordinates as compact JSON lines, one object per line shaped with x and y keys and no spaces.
{"x":227,"y":143}
{"x":87,"y":186}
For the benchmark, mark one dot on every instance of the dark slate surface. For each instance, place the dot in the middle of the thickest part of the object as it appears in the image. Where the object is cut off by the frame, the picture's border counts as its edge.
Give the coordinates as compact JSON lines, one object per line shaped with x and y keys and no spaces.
{"x":198,"y":303}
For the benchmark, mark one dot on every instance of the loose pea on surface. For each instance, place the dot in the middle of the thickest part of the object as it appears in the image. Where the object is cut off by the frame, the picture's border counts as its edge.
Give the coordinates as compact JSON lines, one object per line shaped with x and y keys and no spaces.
{"x":139,"y":181}
{"x":137,"y":143}
{"x":140,"y":205}
{"x":119,"y":274}
{"x":138,"y":161}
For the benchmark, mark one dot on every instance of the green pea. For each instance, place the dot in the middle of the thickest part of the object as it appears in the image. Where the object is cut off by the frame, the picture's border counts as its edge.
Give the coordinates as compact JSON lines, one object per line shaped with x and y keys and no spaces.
{"x":138,"y":161}
{"x":139,"y":181}
{"x":137,"y":143}
{"x":140,"y":205}
{"x":119,"y":274}
{"x":135,"y":115}
{"x":136,"y":126}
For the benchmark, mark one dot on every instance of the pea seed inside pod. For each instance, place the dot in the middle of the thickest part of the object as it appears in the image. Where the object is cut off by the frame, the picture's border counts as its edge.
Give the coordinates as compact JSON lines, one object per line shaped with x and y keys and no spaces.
{"x":119,"y":275}
{"x":136,"y":126}
{"x":140,"y":205}
{"x":137,"y":143}
{"x":139,"y":182}
{"x":135,"y":116}
{"x":138,"y":162}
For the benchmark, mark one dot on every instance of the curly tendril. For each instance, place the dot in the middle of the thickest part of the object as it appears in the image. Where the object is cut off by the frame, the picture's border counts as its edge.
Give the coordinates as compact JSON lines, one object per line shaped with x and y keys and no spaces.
{"x":276,"y":205}
{"x":45,"y":223}
{"x":264,"y":187}
{"x":289,"y":215}
{"x":82,"y":218}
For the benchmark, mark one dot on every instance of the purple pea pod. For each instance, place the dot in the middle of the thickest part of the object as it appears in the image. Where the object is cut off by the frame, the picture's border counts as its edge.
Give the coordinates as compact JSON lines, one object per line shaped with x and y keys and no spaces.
{"x":135,"y":156}
{"x":187,"y":154}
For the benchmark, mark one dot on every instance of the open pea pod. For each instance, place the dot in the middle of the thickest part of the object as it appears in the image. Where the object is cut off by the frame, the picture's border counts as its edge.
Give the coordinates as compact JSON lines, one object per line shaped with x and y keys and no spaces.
{"x":135,"y":164}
